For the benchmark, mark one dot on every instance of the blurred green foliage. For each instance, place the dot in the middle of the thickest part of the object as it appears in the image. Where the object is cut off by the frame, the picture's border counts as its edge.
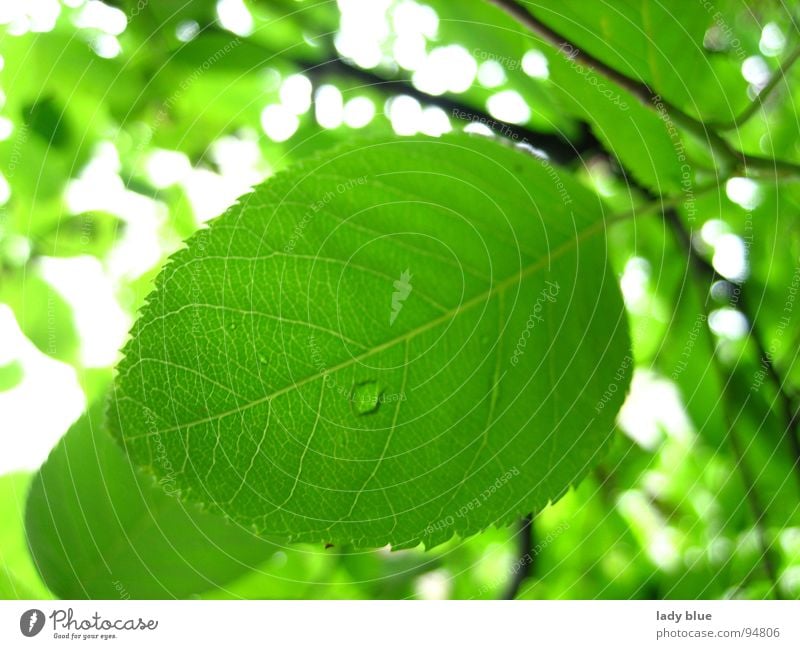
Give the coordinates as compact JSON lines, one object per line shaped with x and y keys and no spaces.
{"x":700,"y":500}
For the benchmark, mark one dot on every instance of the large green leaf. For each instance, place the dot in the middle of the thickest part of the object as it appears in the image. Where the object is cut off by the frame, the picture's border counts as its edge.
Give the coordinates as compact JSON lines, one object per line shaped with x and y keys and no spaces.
{"x":390,"y":343}
{"x":98,"y":529}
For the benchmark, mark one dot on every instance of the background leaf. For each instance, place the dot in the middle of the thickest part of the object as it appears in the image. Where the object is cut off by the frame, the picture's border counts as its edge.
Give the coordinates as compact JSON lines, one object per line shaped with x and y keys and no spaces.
{"x":98,"y":529}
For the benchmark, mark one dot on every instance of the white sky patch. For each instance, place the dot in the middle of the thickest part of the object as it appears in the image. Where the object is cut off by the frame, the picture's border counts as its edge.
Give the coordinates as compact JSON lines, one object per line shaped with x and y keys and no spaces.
{"x":653,"y":407}
{"x":106,"y":46}
{"x":405,"y":114}
{"x":413,"y":18}
{"x":744,"y":192}
{"x":534,"y":64}
{"x":329,"y":106}
{"x":99,"y":188}
{"x":187,"y":30}
{"x":730,"y":257}
{"x":37,"y":411}
{"x":29,"y":16}
{"x":5,"y":189}
{"x":532,"y":150}
{"x":295,"y":93}
{"x":210,"y":193}
{"x":712,"y":230}
{"x":358,"y":112}
{"x":165,"y":168}
{"x":491,"y":74}
{"x":17,"y":248}
{"x":141,"y":246}
{"x":6,"y":128}
{"x":756,"y":71}
{"x":102,"y":171}
{"x":435,"y":121}
{"x":478,"y":128}
{"x":728,"y":323}
{"x":234,"y":16}
{"x":436,"y":584}
{"x":363,"y":27}
{"x":240,"y":161}
{"x":103,"y":17}
{"x":509,"y":106}
{"x":98,"y":317}
{"x":634,"y":282}
{"x":278,"y":122}
{"x":447,"y":69}
{"x":772,"y":41}
{"x":410,"y":51}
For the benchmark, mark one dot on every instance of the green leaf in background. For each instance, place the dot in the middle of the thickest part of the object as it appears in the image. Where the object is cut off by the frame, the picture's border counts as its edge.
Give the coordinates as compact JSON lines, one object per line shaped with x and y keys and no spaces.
{"x":10,"y":375}
{"x":633,"y":134}
{"x":18,"y":576}
{"x":43,"y":315}
{"x":98,"y":529}
{"x":390,"y":343}
{"x":90,"y":233}
{"x":659,"y":44}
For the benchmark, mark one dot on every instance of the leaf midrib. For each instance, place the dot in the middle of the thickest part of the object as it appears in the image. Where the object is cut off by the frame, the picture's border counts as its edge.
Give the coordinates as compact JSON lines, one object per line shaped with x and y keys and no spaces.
{"x":452,"y":313}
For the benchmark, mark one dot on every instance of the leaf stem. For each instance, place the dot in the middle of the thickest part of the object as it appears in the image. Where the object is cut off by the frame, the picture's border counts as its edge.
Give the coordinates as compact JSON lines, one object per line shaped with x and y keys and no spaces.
{"x":524,"y":565}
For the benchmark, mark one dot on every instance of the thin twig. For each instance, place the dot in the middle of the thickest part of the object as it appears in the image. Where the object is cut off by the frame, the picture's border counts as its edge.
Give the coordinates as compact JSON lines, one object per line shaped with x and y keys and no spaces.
{"x":761,"y":97}
{"x":743,"y":162}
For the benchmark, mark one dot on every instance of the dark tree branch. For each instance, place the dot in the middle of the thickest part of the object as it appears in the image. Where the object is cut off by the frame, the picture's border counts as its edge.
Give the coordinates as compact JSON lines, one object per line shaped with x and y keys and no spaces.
{"x":524,"y":565}
{"x":557,"y":147}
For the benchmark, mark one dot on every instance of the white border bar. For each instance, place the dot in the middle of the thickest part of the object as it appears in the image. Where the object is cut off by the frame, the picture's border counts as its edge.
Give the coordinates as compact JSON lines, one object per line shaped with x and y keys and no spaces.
{"x":409,"y":625}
